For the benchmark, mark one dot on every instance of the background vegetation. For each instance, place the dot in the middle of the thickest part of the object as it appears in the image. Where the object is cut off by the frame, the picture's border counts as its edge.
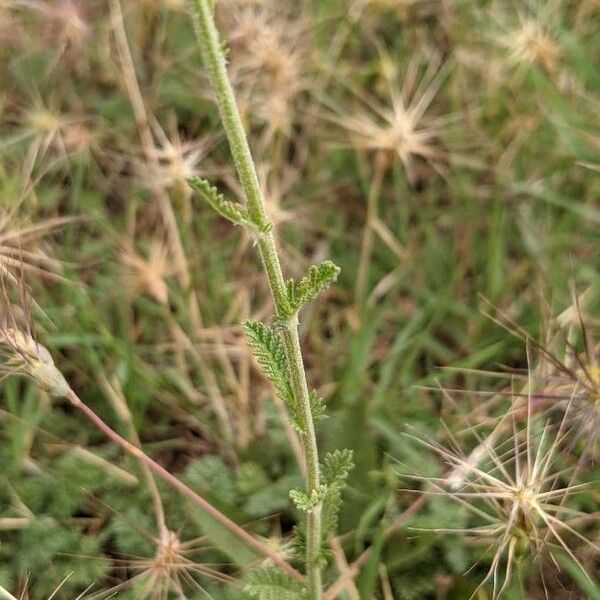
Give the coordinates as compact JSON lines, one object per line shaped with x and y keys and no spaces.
{"x":439,"y":152}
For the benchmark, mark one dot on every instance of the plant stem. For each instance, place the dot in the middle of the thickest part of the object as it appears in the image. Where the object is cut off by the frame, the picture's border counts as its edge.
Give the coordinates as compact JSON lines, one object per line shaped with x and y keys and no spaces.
{"x":311,"y":457}
{"x":214,"y":60}
{"x":181,"y":487}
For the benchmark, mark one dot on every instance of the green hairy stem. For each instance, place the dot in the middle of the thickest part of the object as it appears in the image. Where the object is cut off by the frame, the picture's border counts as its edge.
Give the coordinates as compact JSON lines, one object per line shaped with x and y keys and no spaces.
{"x":287,"y":316}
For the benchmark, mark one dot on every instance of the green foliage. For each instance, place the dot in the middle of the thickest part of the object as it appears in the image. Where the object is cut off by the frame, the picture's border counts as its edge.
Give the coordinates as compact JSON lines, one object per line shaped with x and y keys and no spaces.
{"x":317,"y":407}
{"x":416,"y":586}
{"x":46,"y":546}
{"x":442,"y":509}
{"x":336,"y":467}
{"x":272,"y":584}
{"x":232,"y":211}
{"x":304,"y":501}
{"x":335,"y":470}
{"x":212,"y":473}
{"x":269,"y":351}
{"x":213,"y":479}
{"x":273,"y":498}
{"x":250,"y":477}
{"x":319,"y":278}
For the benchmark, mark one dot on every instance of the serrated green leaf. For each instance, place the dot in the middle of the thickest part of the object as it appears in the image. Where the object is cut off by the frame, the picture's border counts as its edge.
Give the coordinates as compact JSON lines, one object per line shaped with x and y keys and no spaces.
{"x":319,"y":278}
{"x":267,"y":347}
{"x":232,"y":211}
{"x":336,"y":466}
{"x":335,"y":470}
{"x":271,"y":584}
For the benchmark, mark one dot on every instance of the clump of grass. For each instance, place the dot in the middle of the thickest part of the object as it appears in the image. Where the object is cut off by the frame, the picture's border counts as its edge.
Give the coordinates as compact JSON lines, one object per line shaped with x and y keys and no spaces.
{"x":277,"y":349}
{"x":22,"y":354}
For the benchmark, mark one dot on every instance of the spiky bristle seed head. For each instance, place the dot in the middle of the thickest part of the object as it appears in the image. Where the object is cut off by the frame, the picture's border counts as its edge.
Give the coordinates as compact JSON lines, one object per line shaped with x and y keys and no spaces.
{"x":405,"y":129}
{"x":516,"y":488}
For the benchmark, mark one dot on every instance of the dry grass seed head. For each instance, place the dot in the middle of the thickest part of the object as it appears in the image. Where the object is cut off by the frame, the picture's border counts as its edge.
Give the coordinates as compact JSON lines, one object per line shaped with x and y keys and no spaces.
{"x":50,"y":132}
{"x":568,"y":374}
{"x":177,"y":160}
{"x":405,"y":128}
{"x":531,"y":40}
{"x":148,"y":274}
{"x":68,"y":19}
{"x":64,"y":26}
{"x":43,"y":123}
{"x":20,"y":352}
{"x":271,"y":62}
{"x":171,"y":571}
{"x":516,"y":488}
{"x":561,"y":376}
{"x":20,"y":245}
{"x":278,"y":191}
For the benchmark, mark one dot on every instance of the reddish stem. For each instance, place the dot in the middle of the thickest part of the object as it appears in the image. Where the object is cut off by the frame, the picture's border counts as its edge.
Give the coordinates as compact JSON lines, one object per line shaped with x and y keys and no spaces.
{"x":206,"y":506}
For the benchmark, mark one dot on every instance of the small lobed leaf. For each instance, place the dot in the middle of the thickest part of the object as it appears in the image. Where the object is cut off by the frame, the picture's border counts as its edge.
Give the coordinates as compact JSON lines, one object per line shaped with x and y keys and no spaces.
{"x":335,"y":470}
{"x":299,"y":545}
{"x":271,"y":584}
{"x":269,"y":351}
{"x":232,"y":211}
{"x":304,"y":501}
{"x":317,"y":407}
{"x":319,"y":278}
{"x":299,"y":542}
{"x":297,"y":420}
{"x":337,"y":466}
